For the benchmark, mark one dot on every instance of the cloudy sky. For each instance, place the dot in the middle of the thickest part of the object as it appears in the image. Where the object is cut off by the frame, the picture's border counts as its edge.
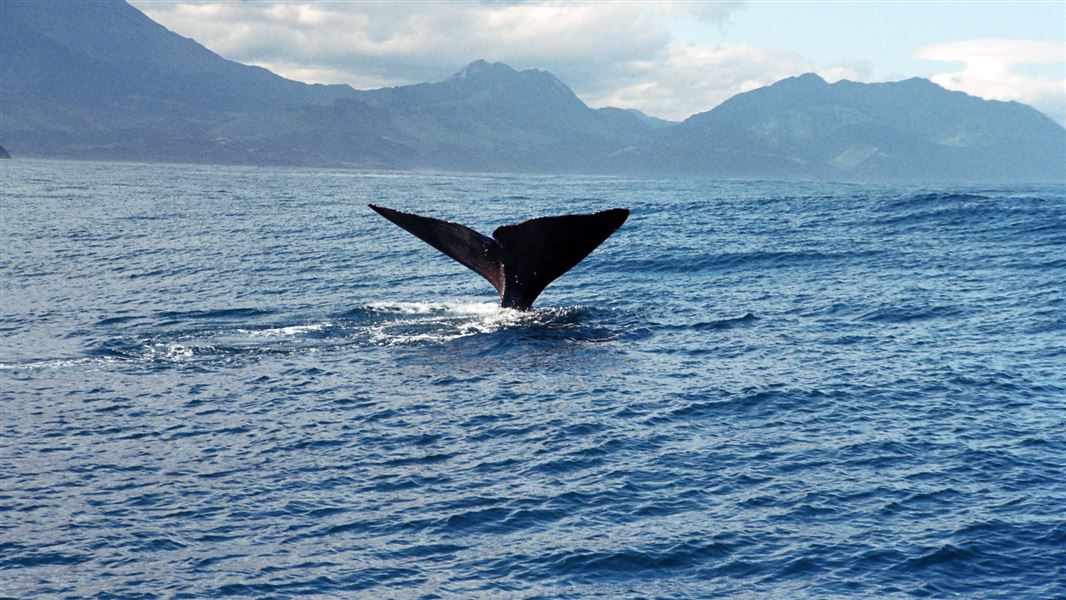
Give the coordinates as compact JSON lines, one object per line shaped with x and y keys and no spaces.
{"x":668,"y":59}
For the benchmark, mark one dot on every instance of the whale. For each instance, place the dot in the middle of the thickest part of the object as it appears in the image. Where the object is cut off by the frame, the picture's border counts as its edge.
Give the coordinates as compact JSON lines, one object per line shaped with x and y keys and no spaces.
{"x":521,"y":259}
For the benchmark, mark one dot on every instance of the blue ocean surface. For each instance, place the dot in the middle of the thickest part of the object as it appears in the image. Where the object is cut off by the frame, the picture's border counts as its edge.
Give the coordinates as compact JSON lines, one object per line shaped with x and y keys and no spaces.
{"x":227,"y":381}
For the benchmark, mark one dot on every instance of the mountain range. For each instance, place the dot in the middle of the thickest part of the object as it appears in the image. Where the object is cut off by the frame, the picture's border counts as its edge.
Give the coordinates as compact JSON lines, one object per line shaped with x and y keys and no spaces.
{"x":100,"y":80}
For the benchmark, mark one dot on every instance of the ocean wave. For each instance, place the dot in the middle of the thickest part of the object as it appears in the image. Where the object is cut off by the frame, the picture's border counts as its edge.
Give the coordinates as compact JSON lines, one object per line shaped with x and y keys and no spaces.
{"x":204,"y":336}
{"x":699,"y":262}
{"x":754,"y":389}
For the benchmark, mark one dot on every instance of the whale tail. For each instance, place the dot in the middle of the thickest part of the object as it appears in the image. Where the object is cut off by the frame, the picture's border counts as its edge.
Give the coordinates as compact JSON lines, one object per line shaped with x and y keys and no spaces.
{"x":519,"y":260}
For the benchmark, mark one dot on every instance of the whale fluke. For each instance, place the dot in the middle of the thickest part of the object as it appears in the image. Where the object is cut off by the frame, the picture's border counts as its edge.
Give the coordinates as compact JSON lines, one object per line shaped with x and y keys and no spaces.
{"x":519,"y":260}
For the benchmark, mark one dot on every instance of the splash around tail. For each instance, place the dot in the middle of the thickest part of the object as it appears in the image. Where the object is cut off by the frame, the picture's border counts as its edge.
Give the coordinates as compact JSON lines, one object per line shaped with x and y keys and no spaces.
{"x":519,"y":260}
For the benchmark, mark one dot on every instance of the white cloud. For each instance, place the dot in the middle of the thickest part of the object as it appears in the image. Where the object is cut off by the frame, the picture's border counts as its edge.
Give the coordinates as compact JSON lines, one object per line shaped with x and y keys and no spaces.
{"x":611,"y":53}
{"x":989,"y":69}
{"x":398,"y":40}
{"x":687,"y":78}
{"x":857,"y":71}
{"x":714,"y":12}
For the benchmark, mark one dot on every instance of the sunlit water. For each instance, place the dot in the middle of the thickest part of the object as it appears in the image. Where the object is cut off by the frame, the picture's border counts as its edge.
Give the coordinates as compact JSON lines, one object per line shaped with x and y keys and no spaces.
{"x":237,"y":381}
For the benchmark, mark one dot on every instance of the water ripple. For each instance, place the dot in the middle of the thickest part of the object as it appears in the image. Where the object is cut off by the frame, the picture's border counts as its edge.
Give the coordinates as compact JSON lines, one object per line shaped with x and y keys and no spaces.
{"x":229,"y":381}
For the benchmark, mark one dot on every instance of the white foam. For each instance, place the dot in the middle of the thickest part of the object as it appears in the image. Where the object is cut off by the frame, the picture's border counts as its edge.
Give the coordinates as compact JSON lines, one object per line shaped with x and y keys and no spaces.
{"x":439,"y":323}
{"x":399,"y":324}
{"x":430,"y":308}
{"x":56,"y":363}
{"x":284,"y":331}
{"x":169,"y":351}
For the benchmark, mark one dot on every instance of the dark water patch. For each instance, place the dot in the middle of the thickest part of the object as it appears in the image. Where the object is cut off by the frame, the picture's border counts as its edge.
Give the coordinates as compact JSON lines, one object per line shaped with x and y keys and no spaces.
{"x":932,"y":199}
{"x":976,"y":214}
{"x":118,"y":320}
{"x":631,"y":564}
{"x":221,"y":313}
{"x":42,"y":559}
{"x":432,"y":551}
{"x":740,"y":261}
{"x":724,"y":324}
{"x":906,"y":314}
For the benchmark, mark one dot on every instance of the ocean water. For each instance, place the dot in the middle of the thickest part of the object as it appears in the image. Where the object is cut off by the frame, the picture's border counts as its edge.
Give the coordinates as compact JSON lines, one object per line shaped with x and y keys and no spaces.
{"x":242,"y":382}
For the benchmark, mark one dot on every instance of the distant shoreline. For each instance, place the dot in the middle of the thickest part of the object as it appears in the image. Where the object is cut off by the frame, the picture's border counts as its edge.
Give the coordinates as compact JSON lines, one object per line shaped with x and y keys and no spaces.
{"x":29,"y":159}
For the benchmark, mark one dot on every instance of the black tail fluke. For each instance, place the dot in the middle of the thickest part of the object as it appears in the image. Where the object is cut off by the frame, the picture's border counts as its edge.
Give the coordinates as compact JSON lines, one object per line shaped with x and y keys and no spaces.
{"x":466,"y":246}
{"x":538,"y":251}
{"x":523,"y":258}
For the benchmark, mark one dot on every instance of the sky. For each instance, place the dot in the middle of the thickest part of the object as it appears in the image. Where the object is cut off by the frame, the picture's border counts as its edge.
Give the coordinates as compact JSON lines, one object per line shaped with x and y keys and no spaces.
{"x":668,"y":59}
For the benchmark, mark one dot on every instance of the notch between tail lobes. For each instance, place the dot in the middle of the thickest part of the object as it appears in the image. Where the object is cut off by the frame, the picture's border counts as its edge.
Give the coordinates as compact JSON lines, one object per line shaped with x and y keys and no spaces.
{"x":519,"y":260}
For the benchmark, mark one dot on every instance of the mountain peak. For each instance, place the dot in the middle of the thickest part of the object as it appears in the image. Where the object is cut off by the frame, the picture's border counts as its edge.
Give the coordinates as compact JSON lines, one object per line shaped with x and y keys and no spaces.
{"x":919,"y":83}
{"x":499,"y":81}
{"x":483,"y":68}
{"x":806,"y":80}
